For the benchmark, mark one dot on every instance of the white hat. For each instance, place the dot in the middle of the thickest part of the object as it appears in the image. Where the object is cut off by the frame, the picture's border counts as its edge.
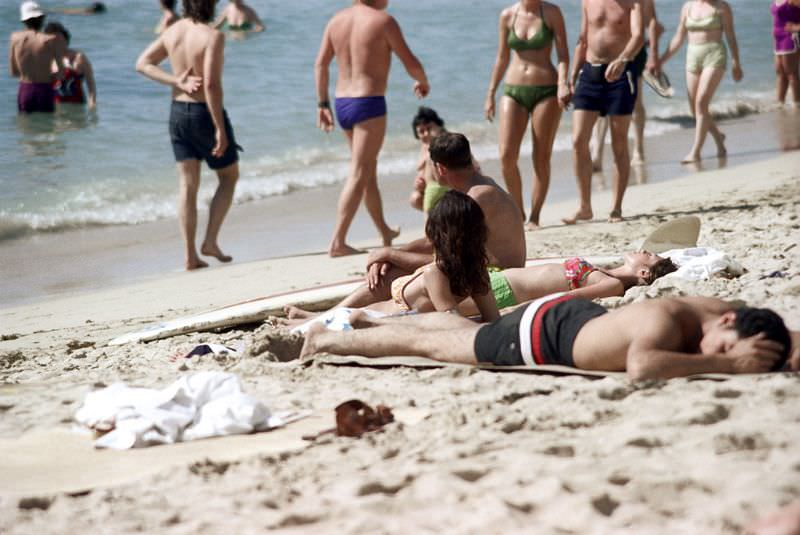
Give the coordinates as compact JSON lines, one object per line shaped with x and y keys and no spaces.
{"x":30,"y":10}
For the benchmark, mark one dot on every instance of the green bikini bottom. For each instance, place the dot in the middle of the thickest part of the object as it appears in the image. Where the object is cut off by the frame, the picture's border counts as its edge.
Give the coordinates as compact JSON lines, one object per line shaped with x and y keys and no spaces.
{"x":528,"y":96}
{"x":501,"y":289}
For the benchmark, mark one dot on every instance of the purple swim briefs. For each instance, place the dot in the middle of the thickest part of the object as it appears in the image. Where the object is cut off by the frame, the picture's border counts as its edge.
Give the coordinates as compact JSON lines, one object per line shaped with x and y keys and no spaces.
{"x":353,"y":110}
{"x":35,"y":97}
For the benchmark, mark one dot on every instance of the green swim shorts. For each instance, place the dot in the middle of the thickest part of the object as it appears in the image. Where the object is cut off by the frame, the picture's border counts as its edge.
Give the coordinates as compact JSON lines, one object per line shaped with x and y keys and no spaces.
{"x":501,"y":289}
{"x":433,"y":194}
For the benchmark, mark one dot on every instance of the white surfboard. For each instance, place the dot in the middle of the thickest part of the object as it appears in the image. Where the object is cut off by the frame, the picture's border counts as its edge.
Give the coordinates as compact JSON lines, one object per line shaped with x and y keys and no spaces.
{"x":245,"y":312}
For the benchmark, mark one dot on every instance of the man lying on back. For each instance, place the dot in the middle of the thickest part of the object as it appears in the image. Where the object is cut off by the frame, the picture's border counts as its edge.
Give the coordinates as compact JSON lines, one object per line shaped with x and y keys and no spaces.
{"x":657,"y":338}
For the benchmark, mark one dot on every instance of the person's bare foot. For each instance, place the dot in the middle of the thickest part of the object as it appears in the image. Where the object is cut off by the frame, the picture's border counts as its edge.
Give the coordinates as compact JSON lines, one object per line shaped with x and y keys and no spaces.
{"x":722,"y":151}
{"x":195,"y":263}
{"x":580,"y":215}
{"x":530,"y":225}
{"x":389,"y":235}
{"x":289,"y":323}
{"x":343,"y":250}
{"x":295,"y":313}
{"x":310,"y":346}
{"x":615,"y":216}
{"x":638,"y":158}
{"x":785,"y":521}
{"x":691,"y":158}
{"x":216,"y":252}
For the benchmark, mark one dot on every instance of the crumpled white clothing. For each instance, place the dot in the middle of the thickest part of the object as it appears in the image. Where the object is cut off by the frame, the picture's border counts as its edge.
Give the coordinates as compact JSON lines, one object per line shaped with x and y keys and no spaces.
{"x":701,"y":263}
{"x":336,"y":319}
{"x":199,"y":405}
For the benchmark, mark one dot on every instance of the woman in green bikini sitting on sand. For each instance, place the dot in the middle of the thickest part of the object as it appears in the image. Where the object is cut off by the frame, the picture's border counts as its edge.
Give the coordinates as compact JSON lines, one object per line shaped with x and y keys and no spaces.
{"x":457,"y":229}
{"x":239,"y":17}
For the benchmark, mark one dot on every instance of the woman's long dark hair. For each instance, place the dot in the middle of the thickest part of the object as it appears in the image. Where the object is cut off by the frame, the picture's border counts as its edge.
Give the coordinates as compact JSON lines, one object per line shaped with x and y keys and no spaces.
{"x":457,"y":230}
{"x":199,"y":10}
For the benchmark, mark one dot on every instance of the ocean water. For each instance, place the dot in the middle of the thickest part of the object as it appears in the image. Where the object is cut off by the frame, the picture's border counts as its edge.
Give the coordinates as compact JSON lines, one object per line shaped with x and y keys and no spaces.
{"x":115,"y":167}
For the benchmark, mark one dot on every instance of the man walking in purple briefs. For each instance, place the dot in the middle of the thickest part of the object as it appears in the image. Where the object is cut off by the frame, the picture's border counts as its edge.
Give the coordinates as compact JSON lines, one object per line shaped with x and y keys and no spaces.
{"x":362,"y":38}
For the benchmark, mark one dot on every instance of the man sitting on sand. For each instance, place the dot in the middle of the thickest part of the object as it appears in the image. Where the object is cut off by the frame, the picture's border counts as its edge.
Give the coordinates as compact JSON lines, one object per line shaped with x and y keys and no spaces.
{"x":199,"y":127}
{"x":31,"y":56}
{"x":505,"y":245}
{"x":657,"y":338}
{"x":362,"y":38}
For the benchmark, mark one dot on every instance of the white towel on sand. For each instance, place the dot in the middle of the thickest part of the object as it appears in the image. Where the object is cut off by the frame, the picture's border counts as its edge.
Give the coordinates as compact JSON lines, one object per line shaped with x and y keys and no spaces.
{"x":701,"y":263}
{"x":199,"y":405}
{"x":336,"y":319}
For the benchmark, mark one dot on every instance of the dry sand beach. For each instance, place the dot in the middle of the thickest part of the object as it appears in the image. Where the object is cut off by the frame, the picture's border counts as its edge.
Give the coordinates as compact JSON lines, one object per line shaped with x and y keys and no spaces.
{"x":485,"y":452}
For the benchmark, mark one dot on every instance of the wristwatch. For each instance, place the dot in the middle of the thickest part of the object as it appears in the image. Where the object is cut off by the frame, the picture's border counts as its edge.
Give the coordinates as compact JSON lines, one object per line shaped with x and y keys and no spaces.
{"x":324,"y":104}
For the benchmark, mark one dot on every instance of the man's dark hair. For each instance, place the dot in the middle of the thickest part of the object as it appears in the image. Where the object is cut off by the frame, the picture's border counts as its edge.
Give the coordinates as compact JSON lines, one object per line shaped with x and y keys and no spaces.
{"x":97,"y":7}
{"x":451,"y":150}
{"x":34,"y":24}
{"x":199,"y":10}
{"x":56,"y":27}
{"x":168,"y":4}
{"x":751,"y":321}
{"x":425,"y":115}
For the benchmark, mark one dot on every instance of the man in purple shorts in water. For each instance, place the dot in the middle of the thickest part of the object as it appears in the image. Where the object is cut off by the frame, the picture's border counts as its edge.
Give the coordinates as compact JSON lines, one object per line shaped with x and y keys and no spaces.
{"x":362,"y":39}
{"x":30,"y":58}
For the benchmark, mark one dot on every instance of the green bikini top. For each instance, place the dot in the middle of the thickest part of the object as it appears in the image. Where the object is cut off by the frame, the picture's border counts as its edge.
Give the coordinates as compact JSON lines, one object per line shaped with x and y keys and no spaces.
{"x":540,"y":39}
{"x":711,"y":22}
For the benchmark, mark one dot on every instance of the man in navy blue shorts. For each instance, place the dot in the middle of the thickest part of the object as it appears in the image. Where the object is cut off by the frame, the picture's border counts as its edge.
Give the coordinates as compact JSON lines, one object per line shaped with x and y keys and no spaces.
{"x":199,"y":128}
{"x":604,"y":83}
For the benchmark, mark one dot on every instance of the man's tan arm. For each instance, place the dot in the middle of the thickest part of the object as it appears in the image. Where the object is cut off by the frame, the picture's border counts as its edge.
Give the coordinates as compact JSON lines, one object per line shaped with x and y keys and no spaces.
{"x":632,"y":47}
{"x":148,"y":62}
{"x":321,"y":66}
{"x":322,"y":79}
{"x":13,"y":68}
{"x":413,"y":66}
{"x":579,"y":56}
{"x":212,"y":86}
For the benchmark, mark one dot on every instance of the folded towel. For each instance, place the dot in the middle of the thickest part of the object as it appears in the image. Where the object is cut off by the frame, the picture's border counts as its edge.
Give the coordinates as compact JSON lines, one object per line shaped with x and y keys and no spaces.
{"x":701,"y":263}
{"x":199,"y":405}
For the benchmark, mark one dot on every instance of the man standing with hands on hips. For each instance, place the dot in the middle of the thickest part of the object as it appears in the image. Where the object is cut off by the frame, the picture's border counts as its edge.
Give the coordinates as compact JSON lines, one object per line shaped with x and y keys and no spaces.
{"x":362,"y":38}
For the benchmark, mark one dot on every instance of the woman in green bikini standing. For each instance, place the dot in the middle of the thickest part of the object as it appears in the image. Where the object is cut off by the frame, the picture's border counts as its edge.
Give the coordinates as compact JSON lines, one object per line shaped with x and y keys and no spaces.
{"x":705,"y":22}
{"x":533,"y":90}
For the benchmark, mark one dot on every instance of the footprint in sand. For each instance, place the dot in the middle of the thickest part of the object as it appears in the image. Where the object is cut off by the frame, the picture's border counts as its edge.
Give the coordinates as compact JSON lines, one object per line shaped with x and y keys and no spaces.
{"x":732,"y":442}
{"x":726,"y":393}
{"x":646,"y":443}
{"x":560,"y":451}
{"x":605,"y":505}
{"x":711,"y":415}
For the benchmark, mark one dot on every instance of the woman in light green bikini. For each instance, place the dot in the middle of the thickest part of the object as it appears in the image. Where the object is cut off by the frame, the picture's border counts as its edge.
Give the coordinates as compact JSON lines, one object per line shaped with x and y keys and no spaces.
{"x":239,"y":17}
{"x":705,"y":22}
{"x":533,"y":90}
